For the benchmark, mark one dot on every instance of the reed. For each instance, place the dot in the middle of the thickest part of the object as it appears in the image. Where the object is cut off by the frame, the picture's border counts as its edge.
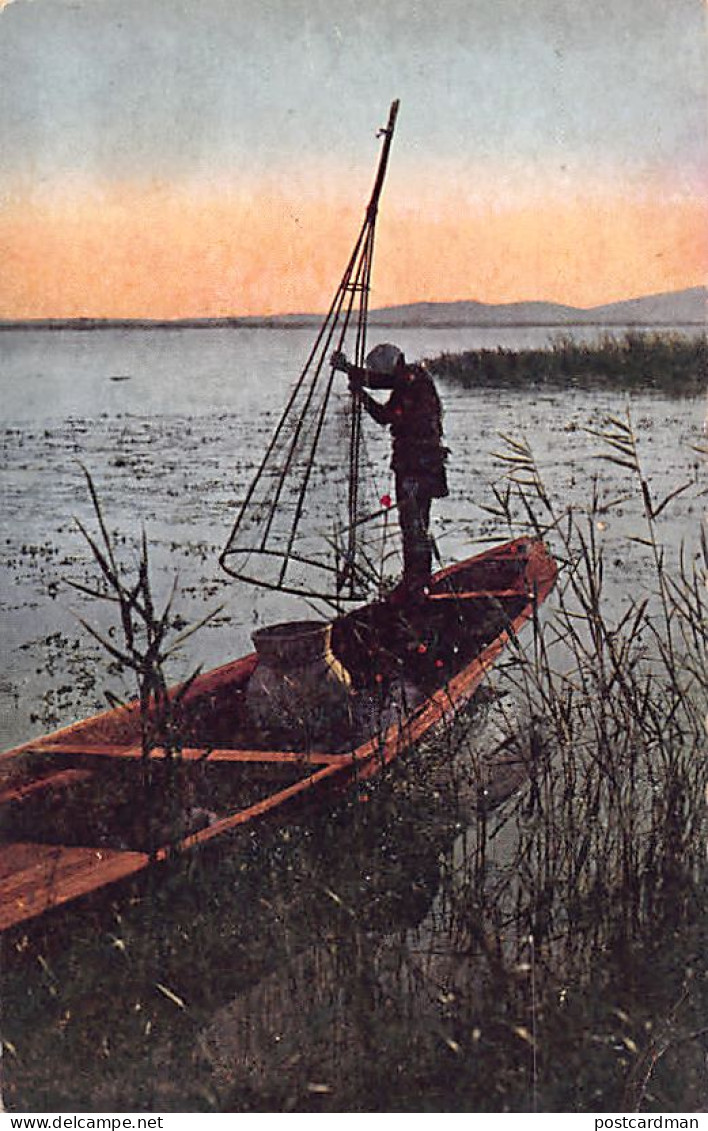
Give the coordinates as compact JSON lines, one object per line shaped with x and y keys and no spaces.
{"x":663,"y":362}
{"x":141,"y":644}
{"x":144,"y":630}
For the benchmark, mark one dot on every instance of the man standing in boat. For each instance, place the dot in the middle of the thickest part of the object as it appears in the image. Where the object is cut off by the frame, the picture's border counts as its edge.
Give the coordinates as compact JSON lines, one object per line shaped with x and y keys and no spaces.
{"x":414,"y":414}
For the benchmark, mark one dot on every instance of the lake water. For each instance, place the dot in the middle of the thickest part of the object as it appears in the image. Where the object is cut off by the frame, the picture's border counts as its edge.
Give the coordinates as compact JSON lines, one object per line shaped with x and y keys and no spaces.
{"x":172,"y":424}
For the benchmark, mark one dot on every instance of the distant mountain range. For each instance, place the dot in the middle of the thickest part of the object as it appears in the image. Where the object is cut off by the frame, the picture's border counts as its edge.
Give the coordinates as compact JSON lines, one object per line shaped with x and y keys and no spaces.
{"x":674,"y":308}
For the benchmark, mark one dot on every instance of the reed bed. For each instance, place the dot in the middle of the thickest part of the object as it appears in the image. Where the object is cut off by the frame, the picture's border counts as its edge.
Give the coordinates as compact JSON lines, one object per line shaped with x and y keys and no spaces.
{"x":665,"y":362}
{"x":586,"y":896}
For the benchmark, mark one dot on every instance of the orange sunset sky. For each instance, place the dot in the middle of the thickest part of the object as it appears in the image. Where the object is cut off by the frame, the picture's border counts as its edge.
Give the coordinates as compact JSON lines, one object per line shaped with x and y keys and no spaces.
{"x":198,"y":163}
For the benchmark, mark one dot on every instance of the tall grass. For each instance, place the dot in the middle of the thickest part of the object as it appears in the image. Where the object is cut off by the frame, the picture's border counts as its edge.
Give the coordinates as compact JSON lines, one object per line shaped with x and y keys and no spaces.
{"x":140,"y":644}
{"x":589,"y":889}
{"x":664,"y":362}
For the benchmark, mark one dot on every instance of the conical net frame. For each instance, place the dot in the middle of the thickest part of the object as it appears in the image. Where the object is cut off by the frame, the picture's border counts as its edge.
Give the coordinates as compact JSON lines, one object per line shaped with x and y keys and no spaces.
{"x":311,"y":522}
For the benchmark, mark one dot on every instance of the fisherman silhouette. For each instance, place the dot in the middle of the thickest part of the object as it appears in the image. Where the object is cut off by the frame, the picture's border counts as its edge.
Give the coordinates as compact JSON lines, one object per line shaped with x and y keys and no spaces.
{"x":414,"y":415}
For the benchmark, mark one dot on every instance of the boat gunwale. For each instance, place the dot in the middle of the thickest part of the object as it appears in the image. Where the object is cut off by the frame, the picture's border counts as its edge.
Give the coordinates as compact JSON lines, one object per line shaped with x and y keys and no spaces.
{"x":243,"y":666}
{"x":334,"y":770}
{"x":378,"y":752}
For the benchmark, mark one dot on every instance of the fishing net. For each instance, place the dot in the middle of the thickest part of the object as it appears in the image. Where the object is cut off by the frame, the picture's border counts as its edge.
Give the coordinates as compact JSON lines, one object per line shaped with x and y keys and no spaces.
{"x":314,"y":521}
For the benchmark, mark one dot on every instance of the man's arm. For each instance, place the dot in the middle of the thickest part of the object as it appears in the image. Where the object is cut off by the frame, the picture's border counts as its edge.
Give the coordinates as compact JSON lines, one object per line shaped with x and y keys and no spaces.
{"x":358,"y":377}
{"x":371,"y":378}
{"x":379,"y":412}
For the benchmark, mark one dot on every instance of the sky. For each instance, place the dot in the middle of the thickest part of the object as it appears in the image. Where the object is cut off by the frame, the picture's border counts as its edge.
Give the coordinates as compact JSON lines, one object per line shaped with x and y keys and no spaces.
{"x":195,"y":158}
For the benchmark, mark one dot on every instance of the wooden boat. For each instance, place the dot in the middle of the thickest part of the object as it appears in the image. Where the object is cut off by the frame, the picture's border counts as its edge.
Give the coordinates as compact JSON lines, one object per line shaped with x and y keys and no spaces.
{"x":82,"y":808}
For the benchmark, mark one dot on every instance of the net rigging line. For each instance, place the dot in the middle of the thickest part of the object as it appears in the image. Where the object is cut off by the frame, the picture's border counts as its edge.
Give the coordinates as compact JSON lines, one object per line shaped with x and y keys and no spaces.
{"x":267,"y":541}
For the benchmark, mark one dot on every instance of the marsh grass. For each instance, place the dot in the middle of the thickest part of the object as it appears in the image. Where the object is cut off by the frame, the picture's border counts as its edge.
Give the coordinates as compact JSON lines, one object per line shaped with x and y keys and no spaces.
{"x":666,"y":362}
{"x":141,"y":643}
{"x":601,"y":887}
{"x":429,"y":946}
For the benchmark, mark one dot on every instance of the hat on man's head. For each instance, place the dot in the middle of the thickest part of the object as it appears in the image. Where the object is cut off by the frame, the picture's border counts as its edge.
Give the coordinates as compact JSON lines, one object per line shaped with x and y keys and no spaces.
{"x":384,"y":358}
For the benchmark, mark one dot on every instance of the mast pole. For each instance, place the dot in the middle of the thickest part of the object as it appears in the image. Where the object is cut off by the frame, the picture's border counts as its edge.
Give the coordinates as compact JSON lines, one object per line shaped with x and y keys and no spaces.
{"x":387,"y":132}
{"x":368,"y":252}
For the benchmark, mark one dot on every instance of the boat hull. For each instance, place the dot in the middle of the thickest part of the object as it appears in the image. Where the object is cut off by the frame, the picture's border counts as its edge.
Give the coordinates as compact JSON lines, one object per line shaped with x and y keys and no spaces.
{"x":84,"y":809}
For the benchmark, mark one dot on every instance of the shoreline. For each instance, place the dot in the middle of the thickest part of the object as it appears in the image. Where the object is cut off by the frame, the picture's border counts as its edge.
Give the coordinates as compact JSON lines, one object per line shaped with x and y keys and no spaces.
{"x":86,"y":325}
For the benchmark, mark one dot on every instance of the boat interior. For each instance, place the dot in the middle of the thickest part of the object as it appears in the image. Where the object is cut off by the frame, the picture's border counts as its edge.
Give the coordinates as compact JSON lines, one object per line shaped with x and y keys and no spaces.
{"x":90,"y":785}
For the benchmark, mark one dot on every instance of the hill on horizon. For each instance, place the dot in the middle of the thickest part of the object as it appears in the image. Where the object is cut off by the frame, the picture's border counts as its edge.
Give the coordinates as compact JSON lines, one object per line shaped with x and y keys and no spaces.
{"x":686,"y":306}
{"x":672,"y":308}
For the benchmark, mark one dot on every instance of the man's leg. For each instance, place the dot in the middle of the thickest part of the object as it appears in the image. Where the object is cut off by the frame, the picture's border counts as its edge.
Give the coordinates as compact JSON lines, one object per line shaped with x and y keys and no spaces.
{"x":414,"y":516}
